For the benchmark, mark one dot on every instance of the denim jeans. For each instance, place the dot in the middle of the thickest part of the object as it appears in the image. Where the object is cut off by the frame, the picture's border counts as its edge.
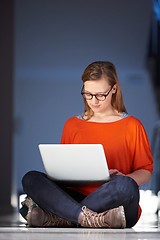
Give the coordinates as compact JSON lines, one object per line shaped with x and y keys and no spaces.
{"x":66,"y":203}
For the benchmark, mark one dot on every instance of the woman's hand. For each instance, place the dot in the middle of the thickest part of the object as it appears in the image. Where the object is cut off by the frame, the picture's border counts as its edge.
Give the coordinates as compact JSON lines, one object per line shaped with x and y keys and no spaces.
{"x":115,"y":172}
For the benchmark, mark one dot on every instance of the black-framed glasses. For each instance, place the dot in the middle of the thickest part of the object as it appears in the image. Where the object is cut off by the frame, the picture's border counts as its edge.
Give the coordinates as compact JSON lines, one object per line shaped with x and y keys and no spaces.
{"x":98,"y":96}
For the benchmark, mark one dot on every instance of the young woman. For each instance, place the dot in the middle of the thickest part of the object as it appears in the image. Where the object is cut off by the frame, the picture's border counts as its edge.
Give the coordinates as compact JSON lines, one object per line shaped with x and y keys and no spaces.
{"x":114,"y":204}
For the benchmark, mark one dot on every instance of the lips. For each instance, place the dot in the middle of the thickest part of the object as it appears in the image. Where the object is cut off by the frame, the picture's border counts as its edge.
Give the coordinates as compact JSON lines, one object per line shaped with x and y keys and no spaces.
{"x":95,"y":106}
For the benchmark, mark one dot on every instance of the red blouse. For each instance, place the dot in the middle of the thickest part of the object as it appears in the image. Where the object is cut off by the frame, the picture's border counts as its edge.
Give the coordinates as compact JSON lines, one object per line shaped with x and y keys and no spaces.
{"x":125,"y":143}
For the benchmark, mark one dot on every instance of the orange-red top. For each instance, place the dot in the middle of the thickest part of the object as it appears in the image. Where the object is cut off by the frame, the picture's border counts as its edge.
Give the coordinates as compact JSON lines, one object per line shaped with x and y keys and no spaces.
{"x":125,"y":143}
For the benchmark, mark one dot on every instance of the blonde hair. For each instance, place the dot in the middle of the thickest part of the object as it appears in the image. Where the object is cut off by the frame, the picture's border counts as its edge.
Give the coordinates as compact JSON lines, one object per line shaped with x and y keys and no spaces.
{"x":95,"y":71}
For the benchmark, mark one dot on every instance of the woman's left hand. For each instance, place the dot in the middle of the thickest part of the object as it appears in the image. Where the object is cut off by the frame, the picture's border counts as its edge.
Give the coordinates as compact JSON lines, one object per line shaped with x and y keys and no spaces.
{"x":115,"y":172}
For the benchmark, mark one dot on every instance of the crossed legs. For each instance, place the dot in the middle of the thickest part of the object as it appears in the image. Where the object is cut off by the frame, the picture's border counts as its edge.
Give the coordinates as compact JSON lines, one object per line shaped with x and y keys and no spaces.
{"x":67,"y":204}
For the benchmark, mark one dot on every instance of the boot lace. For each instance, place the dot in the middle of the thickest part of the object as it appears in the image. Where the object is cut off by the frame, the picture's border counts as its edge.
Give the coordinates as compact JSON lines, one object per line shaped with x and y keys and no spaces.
{"x":93,"y":219}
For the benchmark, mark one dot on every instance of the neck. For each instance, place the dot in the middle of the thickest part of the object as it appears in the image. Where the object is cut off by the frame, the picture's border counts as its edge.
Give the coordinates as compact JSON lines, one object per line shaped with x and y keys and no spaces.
{"x":109,"y":116}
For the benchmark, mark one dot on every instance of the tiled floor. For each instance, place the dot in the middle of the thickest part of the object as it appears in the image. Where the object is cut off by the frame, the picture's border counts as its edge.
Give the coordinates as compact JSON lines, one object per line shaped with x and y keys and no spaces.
{"x":13,"y":227}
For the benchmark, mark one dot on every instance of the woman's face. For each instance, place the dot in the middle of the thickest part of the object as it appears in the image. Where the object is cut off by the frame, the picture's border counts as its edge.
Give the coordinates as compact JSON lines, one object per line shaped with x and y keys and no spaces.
{"x":100,"y":86}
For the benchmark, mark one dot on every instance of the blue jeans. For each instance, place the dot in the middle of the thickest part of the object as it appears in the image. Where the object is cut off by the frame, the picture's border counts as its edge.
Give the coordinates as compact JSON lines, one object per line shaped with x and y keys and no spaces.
{"x":66,"y":203}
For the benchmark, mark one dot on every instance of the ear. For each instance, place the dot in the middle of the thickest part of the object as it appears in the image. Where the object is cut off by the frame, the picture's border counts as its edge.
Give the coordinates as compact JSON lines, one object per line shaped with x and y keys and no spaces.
{"x":114,"y":89}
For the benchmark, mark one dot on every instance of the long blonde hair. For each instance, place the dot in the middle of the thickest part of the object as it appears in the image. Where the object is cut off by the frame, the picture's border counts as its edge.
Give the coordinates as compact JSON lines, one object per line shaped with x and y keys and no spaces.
{"x":95,"y":71}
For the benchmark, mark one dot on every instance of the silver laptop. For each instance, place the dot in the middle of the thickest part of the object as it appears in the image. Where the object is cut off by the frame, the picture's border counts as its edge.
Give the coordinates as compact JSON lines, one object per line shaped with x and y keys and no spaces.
{"x":75,"y":163}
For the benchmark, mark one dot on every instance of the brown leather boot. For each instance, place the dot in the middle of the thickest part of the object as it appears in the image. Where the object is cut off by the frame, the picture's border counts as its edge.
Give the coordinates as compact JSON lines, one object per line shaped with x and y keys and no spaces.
{"x":114,"y":218}
{"x":37,"y":217}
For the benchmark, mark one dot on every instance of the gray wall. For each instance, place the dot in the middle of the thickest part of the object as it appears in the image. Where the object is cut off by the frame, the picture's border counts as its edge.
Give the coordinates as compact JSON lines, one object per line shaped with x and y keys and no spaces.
{"x":6,"y":103}
{"x":54,"y":42}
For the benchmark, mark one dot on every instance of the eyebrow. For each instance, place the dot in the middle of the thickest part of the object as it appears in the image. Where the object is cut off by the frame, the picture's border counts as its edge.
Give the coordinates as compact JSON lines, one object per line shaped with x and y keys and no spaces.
{"x":97,"y":92}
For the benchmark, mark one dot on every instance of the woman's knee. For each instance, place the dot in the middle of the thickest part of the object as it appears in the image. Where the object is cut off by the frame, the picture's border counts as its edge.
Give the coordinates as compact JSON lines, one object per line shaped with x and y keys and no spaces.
{"x":28,"y":178}
{"x":128,"y":187}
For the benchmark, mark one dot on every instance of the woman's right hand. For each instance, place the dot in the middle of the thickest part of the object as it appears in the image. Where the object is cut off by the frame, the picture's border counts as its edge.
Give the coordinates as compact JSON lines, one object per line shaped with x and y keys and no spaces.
{"x":115,"y":172}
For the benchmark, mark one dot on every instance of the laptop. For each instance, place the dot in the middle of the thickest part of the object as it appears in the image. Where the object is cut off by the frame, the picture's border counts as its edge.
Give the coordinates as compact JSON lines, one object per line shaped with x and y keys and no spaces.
{"x":75,"y":163}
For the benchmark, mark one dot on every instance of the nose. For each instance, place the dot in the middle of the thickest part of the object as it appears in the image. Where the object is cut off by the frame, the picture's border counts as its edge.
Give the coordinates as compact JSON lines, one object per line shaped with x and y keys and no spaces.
{"x":95,"y":100}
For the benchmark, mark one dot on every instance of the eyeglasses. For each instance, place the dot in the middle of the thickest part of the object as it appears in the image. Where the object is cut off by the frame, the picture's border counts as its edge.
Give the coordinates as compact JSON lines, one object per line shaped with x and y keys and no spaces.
{"x":98,"y":96}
